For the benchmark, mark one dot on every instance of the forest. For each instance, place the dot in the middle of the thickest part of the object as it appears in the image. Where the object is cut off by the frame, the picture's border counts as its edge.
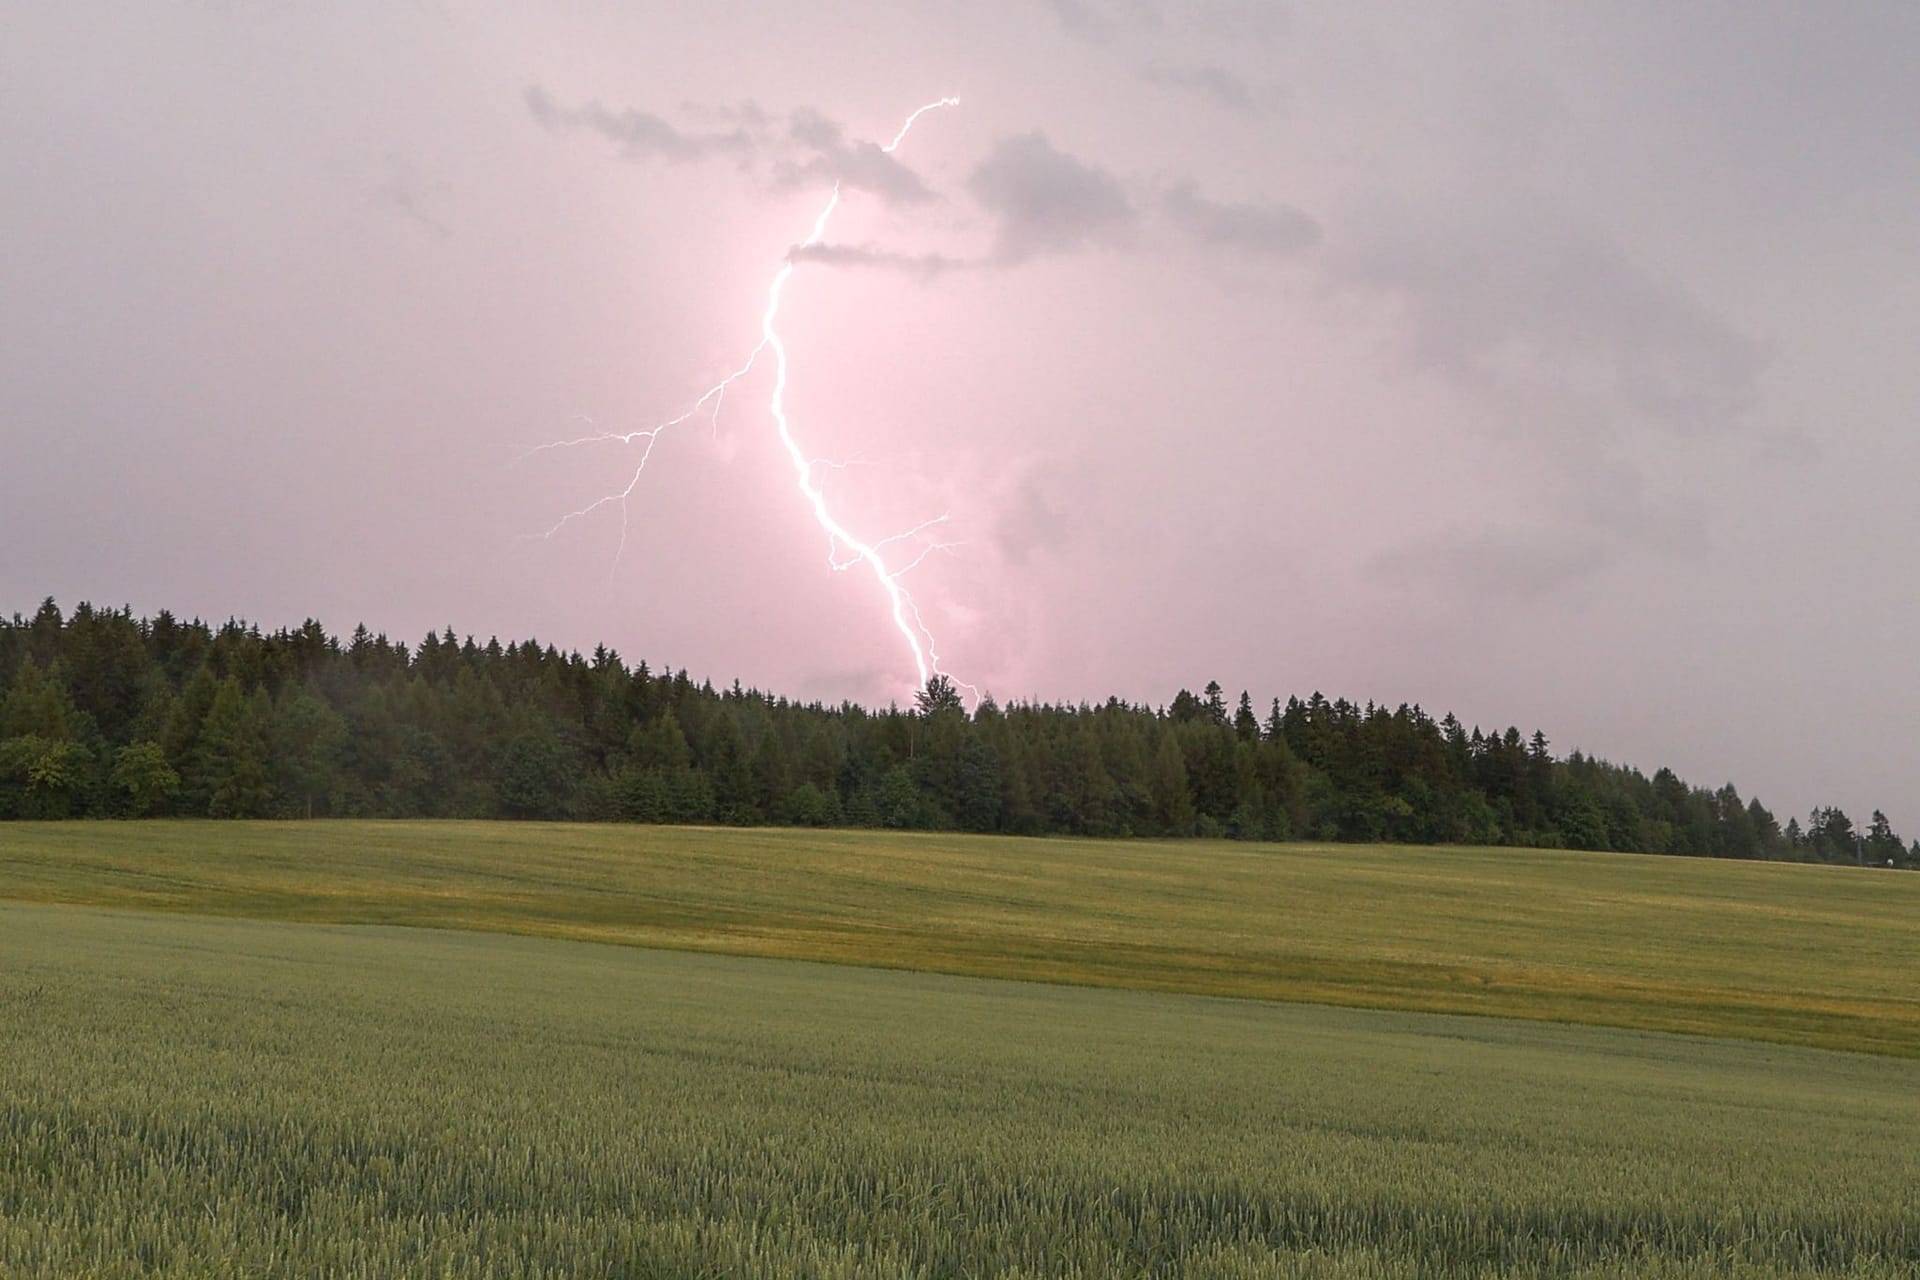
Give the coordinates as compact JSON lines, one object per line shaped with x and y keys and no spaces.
{"x":105,"y":715}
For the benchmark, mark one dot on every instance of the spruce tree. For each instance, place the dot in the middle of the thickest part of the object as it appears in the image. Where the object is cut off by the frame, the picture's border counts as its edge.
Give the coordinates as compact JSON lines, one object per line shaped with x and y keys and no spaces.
{"x":230,"y":757}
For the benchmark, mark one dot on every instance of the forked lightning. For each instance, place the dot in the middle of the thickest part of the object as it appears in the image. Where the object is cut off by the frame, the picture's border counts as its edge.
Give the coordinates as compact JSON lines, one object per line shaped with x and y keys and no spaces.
{"x":845,"y":550}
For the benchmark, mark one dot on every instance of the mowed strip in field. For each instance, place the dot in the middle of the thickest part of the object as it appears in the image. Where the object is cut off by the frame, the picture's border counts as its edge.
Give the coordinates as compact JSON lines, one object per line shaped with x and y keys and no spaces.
{"x":1810,"y":955}
{"x":228,"y":1098}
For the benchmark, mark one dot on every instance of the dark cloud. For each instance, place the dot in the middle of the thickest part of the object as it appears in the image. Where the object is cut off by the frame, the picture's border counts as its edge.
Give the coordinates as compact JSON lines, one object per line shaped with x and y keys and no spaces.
{"x":817,"y":132}
{"x":1208,"y":80}
{"x":746,"y":114}
{"x":1046,"y":201}
{"x":1522,"y":564}
{"x":1573,"y":352}
{"x":858,"y":166}
{"x":814,"y":151}
{"x":1559,"y":326}
{"x":924,"y":265}
{"x":640,"y":134}
{"x":1256,"y":228}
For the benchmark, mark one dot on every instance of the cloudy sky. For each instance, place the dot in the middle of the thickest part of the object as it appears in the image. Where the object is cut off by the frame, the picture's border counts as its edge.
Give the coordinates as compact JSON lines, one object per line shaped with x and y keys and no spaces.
{"x":1552,"y":364}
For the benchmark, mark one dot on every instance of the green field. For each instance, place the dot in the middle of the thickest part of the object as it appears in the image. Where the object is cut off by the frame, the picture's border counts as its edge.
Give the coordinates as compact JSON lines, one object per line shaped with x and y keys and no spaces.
{"x":189,"y":1096}
{"x":1817,"y":956}
{"x":222,"y":1053}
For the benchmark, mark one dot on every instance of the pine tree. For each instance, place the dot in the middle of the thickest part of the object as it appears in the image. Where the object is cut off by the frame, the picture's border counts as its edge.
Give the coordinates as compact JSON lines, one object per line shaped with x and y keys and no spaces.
{"x":659,"y":744}
{"x":938,"y":697}
{"x":1216,"y":704}
{"x":307,"y":743}
{"x":180,"y":736}
{"x":230,"y":757}
{"x":1883,"y":847}
{"x":1245,"y":724}
{"x":38,"y":705}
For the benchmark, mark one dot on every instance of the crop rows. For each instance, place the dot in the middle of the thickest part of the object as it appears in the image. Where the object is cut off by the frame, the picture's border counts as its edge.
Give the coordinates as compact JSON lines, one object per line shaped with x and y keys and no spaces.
{"x":199,"y":1097}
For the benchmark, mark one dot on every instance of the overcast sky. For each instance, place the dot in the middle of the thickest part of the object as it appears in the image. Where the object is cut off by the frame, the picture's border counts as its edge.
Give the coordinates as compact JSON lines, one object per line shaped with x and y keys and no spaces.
{"x":1550,"y":364}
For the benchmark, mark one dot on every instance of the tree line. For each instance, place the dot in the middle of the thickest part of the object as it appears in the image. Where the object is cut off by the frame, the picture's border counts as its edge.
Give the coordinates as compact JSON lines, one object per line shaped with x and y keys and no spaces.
{"x":108,"y":715}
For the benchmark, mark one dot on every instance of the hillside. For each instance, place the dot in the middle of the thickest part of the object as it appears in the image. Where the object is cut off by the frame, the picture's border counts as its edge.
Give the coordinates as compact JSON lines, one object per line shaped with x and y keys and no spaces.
{"x":1804,"y":955}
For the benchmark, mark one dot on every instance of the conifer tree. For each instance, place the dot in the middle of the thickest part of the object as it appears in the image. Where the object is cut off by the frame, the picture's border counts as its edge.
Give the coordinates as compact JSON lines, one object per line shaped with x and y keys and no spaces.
{"x":230,"y":756}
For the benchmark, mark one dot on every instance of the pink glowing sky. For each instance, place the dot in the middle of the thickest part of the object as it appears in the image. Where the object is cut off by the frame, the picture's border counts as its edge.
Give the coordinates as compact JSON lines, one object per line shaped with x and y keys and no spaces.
{"x":1552,"y":365}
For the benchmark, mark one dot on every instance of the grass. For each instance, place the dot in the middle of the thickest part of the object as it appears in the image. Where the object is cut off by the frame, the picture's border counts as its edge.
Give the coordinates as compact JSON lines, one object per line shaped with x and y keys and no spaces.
{"x":202,"y":1097}
{"x":1790,"y":954}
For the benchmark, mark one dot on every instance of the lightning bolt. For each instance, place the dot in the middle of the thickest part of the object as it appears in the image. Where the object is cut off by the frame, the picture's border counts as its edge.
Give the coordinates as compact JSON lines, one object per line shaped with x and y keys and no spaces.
{"x":845,"y":550}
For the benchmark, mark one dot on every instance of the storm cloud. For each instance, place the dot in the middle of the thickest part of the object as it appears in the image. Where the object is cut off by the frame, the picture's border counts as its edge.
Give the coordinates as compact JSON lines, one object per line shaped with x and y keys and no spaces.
{"x":811,"y":150}
{"x":1046,"y":201}
{"x":640,"y":134}
{"x":874,"y":257}
{"x":1524,"y":309}
{"x":1258,"y":228}
{"x":855,"y":166}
